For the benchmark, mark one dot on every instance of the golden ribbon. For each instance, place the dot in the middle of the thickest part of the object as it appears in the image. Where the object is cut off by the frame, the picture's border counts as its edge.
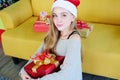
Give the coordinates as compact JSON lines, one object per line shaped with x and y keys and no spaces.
{"x":49,"y":59}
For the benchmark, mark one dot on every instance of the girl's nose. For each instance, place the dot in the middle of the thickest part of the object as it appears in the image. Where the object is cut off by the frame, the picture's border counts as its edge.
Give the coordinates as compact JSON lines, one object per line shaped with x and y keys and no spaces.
{"x":59,"y":19}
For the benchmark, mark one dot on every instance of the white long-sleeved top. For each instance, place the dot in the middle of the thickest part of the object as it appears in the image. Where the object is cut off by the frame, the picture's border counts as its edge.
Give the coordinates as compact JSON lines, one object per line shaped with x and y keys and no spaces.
{"x":71,"y":69}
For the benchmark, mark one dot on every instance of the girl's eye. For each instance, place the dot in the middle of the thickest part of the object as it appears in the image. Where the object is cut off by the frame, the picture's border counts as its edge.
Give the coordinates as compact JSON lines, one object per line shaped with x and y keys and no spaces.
{"x":54,"y":15}
{"x":64,"y":15}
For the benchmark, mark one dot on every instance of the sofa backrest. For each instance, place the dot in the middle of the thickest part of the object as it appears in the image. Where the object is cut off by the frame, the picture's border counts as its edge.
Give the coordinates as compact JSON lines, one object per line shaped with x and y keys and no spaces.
{"x":41,"y":5}
{"x":103,"y":11}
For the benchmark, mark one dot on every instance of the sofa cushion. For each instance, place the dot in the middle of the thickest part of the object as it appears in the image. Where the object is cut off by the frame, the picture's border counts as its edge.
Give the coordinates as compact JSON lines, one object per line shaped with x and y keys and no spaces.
{"x":22,"y":36}
{"x":101,"y":51}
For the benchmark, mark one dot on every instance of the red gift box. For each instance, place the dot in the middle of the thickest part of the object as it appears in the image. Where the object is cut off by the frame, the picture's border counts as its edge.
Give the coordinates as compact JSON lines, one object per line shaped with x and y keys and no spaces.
{"x":84,"y":28}
{"x":43,"y":69}
{"x":1,"y":31}
{"x":81,"y":25}
{"x":42,"y":25}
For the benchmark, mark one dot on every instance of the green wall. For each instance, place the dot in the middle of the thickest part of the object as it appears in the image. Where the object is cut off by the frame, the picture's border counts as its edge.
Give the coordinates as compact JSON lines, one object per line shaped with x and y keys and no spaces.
{"x":1,"y":24}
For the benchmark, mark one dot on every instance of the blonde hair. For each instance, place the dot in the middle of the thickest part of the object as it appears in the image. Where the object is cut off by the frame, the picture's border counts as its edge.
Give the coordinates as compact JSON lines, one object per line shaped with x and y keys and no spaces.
{"x":53,"y":36}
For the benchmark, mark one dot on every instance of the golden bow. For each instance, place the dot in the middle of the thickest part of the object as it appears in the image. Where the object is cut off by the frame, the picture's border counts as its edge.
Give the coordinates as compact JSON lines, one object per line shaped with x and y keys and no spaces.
{"x":48,"y":59}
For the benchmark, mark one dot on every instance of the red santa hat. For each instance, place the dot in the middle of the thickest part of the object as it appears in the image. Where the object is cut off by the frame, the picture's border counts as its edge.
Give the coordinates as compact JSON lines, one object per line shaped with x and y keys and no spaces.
{"x":70,"y":5}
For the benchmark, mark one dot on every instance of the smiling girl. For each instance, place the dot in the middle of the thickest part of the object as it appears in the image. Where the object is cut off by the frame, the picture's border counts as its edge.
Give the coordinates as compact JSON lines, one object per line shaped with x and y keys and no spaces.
{"x":63,"y":39}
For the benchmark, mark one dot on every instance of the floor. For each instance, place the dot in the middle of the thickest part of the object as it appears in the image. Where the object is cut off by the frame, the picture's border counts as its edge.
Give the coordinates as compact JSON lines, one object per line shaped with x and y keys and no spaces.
{"x":95,"y":77}
{"x":9,"y":70}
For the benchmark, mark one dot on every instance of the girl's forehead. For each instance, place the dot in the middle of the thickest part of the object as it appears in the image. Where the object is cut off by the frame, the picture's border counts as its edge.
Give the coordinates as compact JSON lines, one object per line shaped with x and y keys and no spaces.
{"x":59,"y":10}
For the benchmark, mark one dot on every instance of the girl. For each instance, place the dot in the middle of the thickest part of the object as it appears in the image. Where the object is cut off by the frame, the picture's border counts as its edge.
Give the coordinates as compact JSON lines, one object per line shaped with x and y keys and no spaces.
{"x":63,"y":39}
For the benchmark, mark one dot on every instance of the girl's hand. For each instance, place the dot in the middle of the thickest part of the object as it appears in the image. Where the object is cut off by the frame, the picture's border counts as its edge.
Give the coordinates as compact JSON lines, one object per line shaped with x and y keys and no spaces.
{"x":25,"y":76}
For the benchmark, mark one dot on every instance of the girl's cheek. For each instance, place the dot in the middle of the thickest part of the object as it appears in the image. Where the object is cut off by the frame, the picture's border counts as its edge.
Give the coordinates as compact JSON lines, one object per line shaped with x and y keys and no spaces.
{"x":53,"y":20}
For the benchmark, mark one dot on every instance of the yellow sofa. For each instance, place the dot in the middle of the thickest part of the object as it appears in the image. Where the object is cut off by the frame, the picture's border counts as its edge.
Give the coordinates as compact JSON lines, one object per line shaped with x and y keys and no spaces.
{"x":101,"y":48}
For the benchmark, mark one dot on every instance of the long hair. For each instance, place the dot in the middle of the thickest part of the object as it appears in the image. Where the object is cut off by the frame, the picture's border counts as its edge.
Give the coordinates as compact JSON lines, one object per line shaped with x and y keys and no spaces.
{"x":53,"y":35}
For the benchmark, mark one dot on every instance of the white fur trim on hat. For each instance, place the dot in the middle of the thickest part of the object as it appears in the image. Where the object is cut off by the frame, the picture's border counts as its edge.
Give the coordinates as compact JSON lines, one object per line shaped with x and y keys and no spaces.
{"x":66,"y":5}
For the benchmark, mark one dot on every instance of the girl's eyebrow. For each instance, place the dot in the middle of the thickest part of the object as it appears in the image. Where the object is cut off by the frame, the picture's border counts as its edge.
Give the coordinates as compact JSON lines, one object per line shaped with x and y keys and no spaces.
{"x":64,"y":12}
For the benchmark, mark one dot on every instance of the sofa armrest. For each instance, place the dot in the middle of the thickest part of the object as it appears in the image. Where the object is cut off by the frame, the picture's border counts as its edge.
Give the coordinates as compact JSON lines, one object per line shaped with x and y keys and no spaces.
{"x":16,"y":14}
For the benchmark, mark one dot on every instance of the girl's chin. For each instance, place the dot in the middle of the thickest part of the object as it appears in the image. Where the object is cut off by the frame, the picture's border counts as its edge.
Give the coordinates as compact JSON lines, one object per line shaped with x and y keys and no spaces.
{"x":60,"y":29}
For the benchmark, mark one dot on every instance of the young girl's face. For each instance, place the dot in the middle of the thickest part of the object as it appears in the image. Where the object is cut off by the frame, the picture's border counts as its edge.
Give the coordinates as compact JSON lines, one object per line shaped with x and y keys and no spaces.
{"x":62,"y":18}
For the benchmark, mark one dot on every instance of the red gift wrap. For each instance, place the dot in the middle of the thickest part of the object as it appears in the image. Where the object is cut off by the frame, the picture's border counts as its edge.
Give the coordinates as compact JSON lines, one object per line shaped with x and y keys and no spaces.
{"x":42,"y":23}
{"x":84,"y":28}
{"x":81,"y":25}
{"x":41,"y":27}
{"x":43,"y":69}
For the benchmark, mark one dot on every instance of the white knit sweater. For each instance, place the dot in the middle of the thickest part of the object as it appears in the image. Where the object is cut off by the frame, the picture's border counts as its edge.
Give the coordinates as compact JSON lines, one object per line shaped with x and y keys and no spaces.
{"x":71,"y":68}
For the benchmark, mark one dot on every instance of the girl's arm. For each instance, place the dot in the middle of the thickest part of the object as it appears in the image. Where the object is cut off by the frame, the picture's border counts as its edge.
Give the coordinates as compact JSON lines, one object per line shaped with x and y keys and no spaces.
{"x":71,"y":67}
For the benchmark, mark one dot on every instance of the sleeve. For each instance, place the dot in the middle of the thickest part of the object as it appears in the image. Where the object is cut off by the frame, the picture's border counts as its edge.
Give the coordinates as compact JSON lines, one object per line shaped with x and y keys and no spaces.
{"x":71,"y":68}
{"x":39,"y":50}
